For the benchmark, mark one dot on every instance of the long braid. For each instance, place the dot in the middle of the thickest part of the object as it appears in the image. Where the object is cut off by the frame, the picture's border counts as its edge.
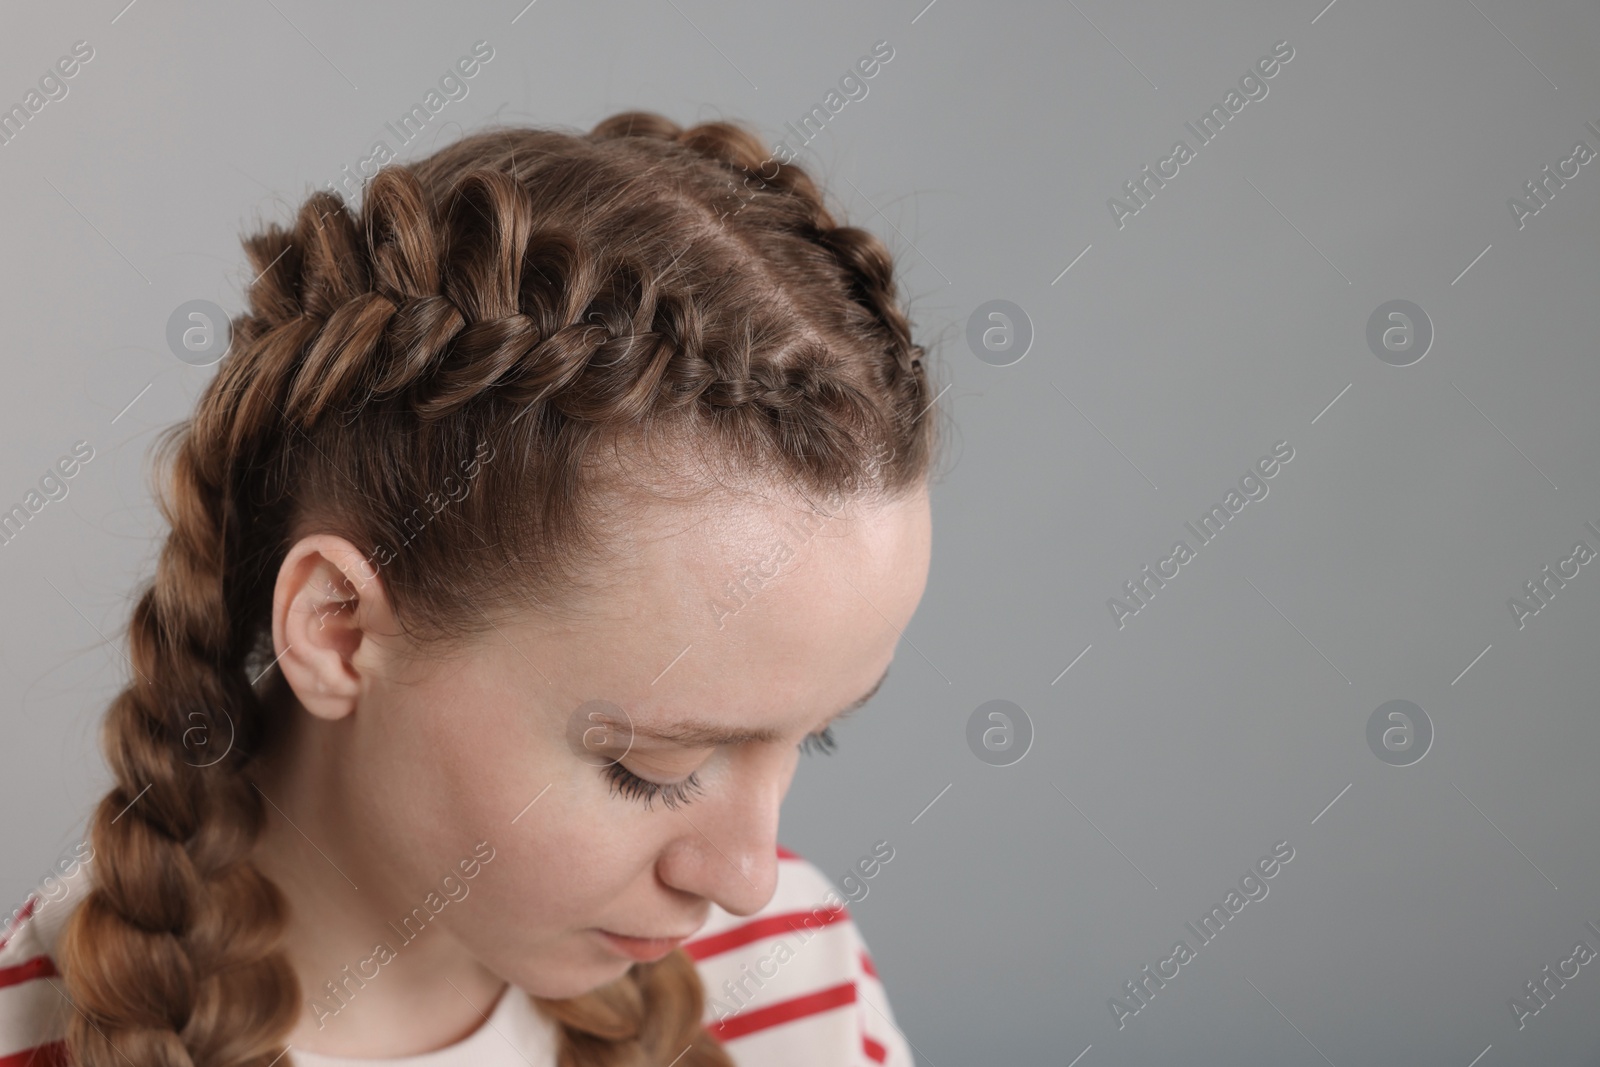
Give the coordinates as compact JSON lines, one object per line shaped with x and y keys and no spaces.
{"x":170,"y":959}
{"x":532,"y":288}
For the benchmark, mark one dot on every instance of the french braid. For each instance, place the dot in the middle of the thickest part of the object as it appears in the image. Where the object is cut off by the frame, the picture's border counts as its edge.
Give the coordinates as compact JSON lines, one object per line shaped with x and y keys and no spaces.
{"x":537,"y":289}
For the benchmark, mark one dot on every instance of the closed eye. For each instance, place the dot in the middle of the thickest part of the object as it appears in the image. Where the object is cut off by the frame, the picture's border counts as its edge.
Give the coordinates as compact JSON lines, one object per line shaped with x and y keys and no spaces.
{"x":632,"y":786}
{"x":672,"y":794}
{"x":822,"y":742}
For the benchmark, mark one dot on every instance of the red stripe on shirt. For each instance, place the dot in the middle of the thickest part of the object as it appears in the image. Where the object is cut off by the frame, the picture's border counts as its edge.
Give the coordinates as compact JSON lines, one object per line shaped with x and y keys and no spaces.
{"x":785,"y":854}
{"x":22,"y":915}
{"x":786,"y":1011}
{"x":38,"y":967}
{"x":866,"y":964}
{"x":876,"y":1052}
{"x":53,"y":1054}
{"x":771,"y":926}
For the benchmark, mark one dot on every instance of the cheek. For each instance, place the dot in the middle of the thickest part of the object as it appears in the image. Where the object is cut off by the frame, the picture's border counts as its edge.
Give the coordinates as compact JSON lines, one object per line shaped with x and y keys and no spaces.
{"x":565,"y":849}
{"x":454,"y":765}
{"x":573,"y":861}
{"x":418,"y":782}
{"x":562,"y":867}
{"x":435,"y":769}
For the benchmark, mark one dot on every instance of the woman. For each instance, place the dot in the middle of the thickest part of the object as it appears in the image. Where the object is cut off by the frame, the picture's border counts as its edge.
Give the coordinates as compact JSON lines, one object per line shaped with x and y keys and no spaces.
{"x":538,"y":517}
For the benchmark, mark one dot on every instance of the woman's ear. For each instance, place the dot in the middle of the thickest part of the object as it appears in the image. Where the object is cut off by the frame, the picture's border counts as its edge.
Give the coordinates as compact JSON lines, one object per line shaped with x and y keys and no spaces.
{"x":328,"y":601}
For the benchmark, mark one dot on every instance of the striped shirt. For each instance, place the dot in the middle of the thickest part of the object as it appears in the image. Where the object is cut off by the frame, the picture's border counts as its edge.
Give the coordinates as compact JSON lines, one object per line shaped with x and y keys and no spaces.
{"x":790,"y":986}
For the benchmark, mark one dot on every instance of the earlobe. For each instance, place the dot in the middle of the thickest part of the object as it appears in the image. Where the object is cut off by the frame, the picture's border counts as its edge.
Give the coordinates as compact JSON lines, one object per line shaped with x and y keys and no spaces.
{"x":324,"y":607}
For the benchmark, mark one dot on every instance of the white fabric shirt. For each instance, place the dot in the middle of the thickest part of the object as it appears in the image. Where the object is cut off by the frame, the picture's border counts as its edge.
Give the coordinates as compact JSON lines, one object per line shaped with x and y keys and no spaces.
{"x":512,"y":1033}
{"x":791,"y":986}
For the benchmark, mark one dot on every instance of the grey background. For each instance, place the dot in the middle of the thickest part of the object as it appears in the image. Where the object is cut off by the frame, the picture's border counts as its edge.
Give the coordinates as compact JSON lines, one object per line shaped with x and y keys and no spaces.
{"x":1226,"y":316}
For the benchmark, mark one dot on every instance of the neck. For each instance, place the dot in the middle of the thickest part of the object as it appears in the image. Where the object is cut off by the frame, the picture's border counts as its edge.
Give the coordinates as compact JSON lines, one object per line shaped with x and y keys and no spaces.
{"x":369,"y":986}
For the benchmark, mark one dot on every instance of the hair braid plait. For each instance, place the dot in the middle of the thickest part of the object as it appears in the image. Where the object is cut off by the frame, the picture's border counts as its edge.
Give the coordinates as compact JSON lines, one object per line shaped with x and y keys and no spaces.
{"x":586,"y":281}
{"x":858,"y":251}
{"x":171,"y":957}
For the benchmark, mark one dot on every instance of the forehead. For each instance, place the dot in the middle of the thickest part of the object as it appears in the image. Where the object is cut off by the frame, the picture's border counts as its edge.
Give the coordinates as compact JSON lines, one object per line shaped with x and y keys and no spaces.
{"x":752,"y":612}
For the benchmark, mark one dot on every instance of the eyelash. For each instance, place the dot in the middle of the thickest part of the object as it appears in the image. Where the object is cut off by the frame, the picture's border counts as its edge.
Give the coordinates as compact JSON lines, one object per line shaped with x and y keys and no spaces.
{"x":820,"y":742}
{"x":632,"y":786}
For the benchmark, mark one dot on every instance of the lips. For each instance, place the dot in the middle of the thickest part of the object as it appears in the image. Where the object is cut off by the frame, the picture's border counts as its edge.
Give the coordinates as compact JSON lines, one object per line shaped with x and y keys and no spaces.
{"x":642,"y":949}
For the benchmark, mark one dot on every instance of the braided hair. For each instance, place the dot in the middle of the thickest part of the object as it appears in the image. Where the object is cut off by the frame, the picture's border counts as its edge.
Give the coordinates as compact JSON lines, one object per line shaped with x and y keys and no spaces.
{"x":545,"y":291}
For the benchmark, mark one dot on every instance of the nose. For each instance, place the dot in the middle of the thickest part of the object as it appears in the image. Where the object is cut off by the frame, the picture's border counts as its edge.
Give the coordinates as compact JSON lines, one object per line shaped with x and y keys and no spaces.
{"x":727,"y":850}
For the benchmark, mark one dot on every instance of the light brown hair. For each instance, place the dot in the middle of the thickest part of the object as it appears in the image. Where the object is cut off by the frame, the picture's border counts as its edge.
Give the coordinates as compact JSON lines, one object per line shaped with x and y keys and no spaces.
{"x":550,"y":293}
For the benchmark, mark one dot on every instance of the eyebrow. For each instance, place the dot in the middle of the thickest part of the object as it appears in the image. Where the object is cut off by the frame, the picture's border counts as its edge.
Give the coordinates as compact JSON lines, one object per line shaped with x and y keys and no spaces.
{"x":697,"y":733}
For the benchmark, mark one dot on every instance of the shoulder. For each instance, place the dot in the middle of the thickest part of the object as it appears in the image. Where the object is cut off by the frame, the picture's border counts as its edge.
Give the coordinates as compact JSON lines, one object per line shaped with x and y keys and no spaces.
{"x":33,"y":1008}
{"x":794,"y":983}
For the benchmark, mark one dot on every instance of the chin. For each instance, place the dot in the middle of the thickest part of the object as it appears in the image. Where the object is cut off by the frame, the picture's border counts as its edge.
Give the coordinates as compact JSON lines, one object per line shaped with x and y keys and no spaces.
{"x":564,"y":979}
